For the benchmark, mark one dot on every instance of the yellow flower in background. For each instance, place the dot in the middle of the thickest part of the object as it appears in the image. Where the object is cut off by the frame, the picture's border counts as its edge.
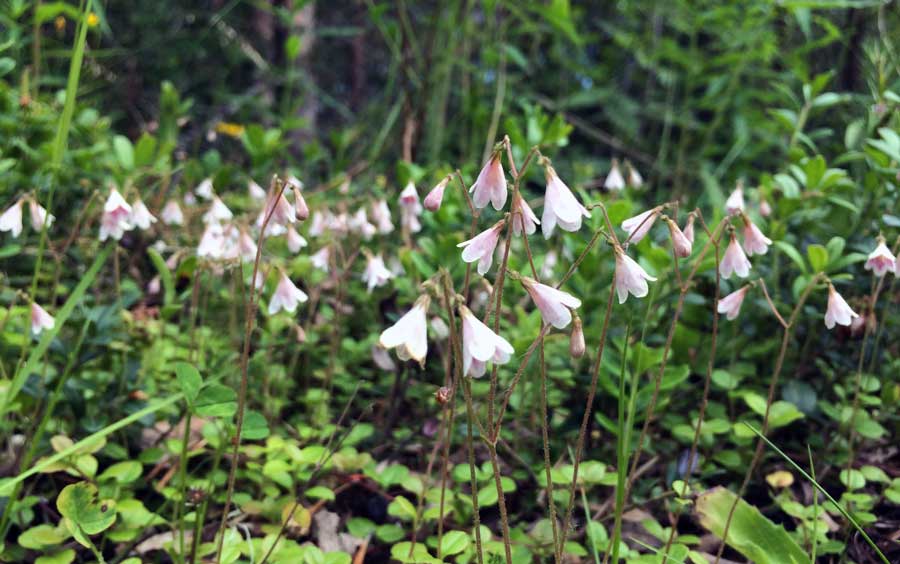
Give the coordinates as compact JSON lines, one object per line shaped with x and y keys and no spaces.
{"x":230,"y":129}
{"x":59,"y":23}
{"x":92,"y":20}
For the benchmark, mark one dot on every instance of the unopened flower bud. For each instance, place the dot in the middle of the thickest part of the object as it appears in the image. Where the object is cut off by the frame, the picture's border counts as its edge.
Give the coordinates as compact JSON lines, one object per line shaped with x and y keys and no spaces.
{"x":301,"y":210}
{"x":576,"y":340}
{"x":442,"y":395}
{"x":436,"y":196}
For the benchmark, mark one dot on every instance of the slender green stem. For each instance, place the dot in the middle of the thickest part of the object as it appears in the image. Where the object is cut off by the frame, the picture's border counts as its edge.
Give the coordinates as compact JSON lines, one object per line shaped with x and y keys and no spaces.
{"x":621,"y":456}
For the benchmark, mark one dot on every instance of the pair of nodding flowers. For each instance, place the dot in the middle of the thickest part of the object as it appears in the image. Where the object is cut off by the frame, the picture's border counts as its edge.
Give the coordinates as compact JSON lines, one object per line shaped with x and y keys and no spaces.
{"x":11,"y":219}
{"x":561,"y":207}
{"x":480,"y":343}
{"x":838,"y":311}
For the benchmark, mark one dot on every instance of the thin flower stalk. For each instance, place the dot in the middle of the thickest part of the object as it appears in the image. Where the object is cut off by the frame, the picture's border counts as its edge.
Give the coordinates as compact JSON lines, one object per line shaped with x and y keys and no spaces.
{"x":685,"y":287}
{"x":250,"y":318}
{"x":773,"y":384}
{"x":704,"y":401}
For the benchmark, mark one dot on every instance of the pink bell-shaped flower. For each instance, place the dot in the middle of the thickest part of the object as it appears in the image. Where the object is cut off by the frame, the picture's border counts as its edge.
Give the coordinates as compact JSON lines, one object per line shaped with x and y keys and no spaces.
{"x":555,"y":305}
{"x":630,"y":277}
{"x":639,"y":225}
{"x":295,"y":241}
{"x":735,"y":202}
{"x":481,"y":247}
{"x":755,"y":243}
{"x":560,"y":206}
{"x":301,"y":210}
{"x":481,"y":344}
{"x":321,"y":258}
{"x":490,"y":186}
{"x":730,"y":305}
{"x":523,"y":216}
{"x":116,"y":219}
{"x":734,"y":261}
{"x":40,"y":319}
{"x":680,"y":243}
{"x":410,"y":208}
{"x":881,"y":260}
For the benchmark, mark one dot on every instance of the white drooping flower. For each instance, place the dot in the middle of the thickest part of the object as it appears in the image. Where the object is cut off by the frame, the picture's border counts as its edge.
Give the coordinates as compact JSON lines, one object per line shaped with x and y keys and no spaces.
{"x":171,"y":214}
{"x":481,"y":345}
{"x":218,"y":211}
{"x":287,"y":296}
{"x":320,"y":259}
{"x":614,"y":180}
{"x":11,"y":220}
{"x":376,"y":273}
{"x":838,"y":310}
{"x":409,"y":335}
{"x":381,"y":214}
{"x":295,"y":241}
{"x":256,"y":191}
{"x":141,"y":216}
{"x":205,"y":189}
{"x":39,"y":215}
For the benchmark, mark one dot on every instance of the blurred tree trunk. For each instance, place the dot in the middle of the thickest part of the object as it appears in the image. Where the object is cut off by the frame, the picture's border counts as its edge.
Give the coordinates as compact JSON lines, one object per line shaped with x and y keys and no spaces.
{"x":303,"y":26}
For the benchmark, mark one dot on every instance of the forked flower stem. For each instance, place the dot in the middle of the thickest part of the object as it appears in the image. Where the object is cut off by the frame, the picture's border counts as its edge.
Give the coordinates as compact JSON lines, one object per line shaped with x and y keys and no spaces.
{"x":685,"y":287}
{"x":250,"y":314}
{"x":773,"y":384}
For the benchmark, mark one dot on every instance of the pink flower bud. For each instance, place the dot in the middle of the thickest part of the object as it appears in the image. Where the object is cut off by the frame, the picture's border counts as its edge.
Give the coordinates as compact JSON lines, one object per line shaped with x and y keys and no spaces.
{"x":576,"y":339}
{"x":435,"y":197}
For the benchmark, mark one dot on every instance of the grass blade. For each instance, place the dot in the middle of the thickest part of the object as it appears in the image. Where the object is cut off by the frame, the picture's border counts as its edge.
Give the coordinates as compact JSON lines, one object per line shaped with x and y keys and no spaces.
{"x":62,"y":315}
{"x":824,"y":492}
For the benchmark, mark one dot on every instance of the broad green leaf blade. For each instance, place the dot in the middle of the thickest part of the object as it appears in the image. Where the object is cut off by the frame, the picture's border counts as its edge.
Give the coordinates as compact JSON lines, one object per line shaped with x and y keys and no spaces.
{"x":753,"y":535}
